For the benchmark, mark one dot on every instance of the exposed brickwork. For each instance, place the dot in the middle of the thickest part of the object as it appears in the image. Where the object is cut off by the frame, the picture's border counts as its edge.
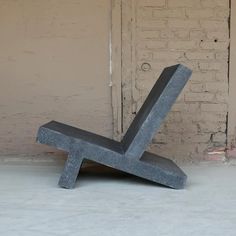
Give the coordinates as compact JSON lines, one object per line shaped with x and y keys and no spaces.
{"x":195,"y":33}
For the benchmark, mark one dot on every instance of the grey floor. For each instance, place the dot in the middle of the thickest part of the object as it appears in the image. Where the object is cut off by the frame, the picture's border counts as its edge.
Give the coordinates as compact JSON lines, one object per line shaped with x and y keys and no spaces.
{"x":109,"y":203}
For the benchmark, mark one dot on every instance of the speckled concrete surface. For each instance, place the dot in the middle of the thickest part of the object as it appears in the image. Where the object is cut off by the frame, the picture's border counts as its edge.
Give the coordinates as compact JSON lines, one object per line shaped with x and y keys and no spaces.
{"x":110,"y":203}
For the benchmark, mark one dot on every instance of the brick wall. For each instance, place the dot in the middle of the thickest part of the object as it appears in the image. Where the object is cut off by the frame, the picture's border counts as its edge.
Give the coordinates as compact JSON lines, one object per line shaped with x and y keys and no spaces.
{"x":195,"y":33}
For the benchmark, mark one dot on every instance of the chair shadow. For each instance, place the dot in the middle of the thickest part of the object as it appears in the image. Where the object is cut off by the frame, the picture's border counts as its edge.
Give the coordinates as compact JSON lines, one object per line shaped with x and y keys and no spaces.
{"x":99,"y":172}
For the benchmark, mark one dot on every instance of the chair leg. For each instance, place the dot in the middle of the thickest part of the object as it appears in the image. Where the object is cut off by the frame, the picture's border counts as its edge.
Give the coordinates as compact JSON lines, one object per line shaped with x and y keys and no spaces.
{"x":71,"y":170}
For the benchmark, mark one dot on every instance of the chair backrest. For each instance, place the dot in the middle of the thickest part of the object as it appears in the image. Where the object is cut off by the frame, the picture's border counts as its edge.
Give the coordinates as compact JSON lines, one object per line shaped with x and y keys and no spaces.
{"x":155,"y":108}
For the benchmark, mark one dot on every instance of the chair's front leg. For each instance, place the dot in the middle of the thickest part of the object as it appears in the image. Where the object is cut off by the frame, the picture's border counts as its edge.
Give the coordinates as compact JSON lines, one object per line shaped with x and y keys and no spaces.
{"x":71,"y":170}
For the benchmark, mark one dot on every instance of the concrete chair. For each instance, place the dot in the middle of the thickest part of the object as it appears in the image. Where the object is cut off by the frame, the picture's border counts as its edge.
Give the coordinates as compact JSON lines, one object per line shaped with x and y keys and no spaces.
{"x":130,"y":154}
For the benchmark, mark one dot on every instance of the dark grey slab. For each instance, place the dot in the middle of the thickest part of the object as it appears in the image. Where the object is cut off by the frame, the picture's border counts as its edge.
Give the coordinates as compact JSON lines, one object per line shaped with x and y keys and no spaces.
{"x":154,"y":110}
{"x":128,"y":155}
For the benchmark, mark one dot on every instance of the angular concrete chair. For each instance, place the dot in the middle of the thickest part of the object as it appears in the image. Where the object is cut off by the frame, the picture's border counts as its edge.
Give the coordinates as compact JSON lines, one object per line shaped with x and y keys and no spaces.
{"x":129,"y":155}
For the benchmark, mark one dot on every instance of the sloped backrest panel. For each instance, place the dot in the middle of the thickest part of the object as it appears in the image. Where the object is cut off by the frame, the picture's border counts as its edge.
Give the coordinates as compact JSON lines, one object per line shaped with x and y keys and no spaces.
{"x":155,"y":108}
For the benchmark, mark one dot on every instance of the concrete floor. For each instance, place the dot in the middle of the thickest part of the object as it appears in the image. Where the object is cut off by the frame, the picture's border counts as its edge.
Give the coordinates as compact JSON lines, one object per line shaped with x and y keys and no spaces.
{"x":110,"y":203}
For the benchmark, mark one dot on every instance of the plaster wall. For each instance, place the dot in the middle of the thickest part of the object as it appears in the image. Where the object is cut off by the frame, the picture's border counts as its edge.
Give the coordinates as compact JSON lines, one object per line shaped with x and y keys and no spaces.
{"x":54,"y":64}
{"x":232,"y":79}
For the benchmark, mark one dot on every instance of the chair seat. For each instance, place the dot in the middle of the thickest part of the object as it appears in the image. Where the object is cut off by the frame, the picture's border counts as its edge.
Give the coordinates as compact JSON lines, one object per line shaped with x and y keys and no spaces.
{"x":79,"y":134}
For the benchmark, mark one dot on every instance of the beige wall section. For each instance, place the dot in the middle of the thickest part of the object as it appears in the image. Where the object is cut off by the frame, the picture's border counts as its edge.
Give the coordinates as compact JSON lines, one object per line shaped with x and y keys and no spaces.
{"x":232,"y":79}
{"x":54,"y":64}
{"x":192,"y":32}
{"x":116,"y":68}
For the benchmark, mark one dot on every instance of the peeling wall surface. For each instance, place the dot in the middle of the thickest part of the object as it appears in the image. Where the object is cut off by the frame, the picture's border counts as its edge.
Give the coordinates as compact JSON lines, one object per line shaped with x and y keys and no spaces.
{"x":159,"y":33}
{"x":232,"y":80}
{"x":54,"y":64}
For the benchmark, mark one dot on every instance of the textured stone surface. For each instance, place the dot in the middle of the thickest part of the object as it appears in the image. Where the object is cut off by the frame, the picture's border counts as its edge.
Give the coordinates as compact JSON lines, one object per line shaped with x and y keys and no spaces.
{"x":128,"y":155}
